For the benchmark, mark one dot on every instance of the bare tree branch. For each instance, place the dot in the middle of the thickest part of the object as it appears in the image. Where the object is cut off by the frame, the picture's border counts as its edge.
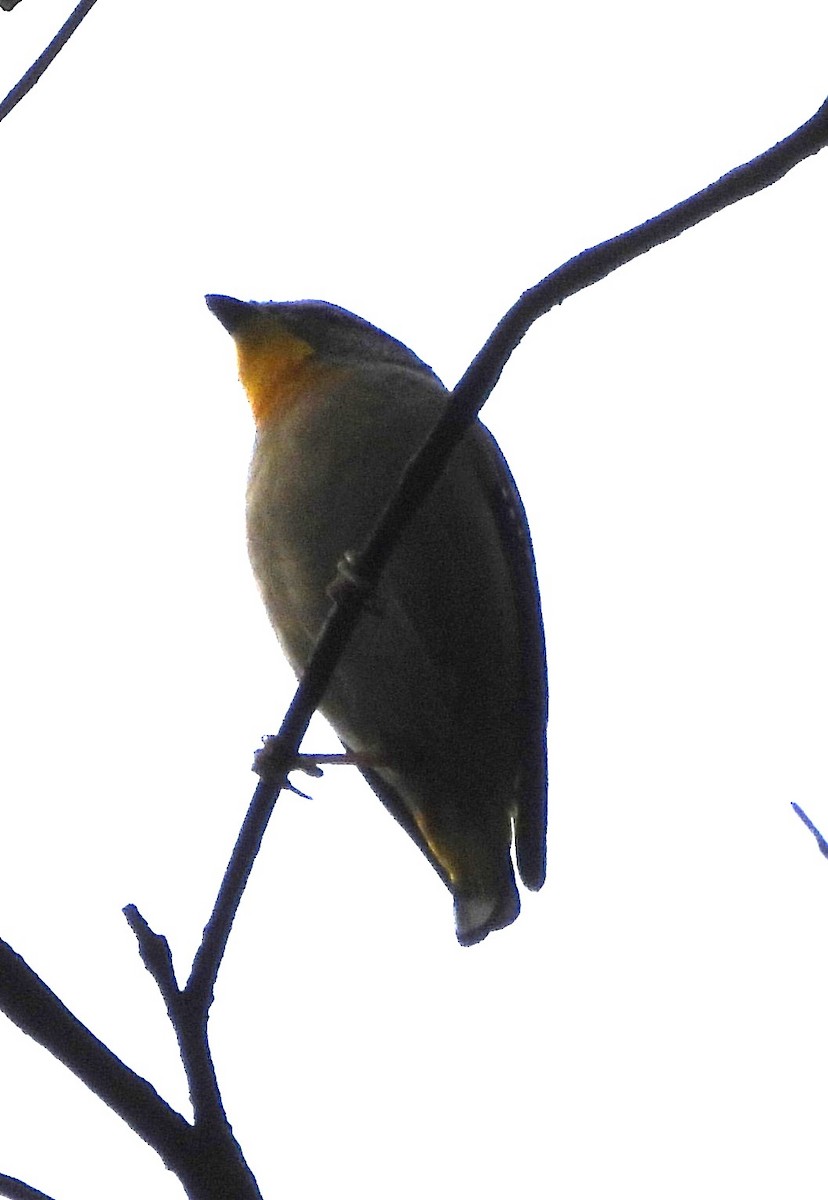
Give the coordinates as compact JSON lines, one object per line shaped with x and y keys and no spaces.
{"x":155,"y":954}
{"x":599,"y":261}
{"x":27,"y":81}
{"x":35,"y":1009}
{"x":205,"y":1156}
{"x":16,"y":1189}
{"x":188,"y":1012}
{"x":806,"y":820}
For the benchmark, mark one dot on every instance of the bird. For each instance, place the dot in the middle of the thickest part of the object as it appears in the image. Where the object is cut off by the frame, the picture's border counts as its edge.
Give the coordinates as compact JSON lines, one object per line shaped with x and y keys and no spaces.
{"x":440,"y":696}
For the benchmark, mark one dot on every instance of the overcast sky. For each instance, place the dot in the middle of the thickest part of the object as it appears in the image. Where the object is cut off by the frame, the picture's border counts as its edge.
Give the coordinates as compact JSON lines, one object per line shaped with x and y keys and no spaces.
{"x":653,"y":1024}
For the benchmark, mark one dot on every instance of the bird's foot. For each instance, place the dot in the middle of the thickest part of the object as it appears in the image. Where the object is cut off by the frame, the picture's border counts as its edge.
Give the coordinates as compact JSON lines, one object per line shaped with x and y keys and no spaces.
{"x":309,"y":764}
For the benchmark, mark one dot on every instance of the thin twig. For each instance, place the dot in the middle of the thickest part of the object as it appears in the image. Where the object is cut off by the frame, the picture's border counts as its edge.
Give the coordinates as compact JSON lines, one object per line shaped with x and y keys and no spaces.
{"x":820,"y":840}
{"x":188,"y":1014}
{"x":155,"y":955}
{"x":16,"y":1189}
{"x":27,"y":82}
{"x":599,"y":261}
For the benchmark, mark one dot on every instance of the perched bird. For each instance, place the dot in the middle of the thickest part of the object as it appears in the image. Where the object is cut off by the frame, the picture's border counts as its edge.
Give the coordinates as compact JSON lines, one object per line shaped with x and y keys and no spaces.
{"x":440,"y":695}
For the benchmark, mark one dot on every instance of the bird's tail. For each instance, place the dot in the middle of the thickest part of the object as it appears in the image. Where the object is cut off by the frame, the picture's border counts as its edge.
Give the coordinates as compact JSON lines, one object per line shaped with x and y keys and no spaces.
{"x":477,"y":914}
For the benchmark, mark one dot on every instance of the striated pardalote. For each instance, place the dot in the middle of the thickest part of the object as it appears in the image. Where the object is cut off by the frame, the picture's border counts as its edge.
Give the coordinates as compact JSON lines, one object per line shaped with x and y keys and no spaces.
{"x":440,"y":695}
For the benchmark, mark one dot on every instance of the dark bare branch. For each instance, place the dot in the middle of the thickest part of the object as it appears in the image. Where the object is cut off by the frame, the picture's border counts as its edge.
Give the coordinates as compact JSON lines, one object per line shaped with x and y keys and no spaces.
{"x":27,"y":81}
{"x":16,"y":1189}
{"x":37,"y":1011}
{"x":806,"y":820}
{"x":155,"y":955}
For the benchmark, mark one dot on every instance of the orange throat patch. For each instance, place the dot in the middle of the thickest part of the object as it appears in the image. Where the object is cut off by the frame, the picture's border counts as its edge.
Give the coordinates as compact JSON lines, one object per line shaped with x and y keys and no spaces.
{"x":276,"y":371}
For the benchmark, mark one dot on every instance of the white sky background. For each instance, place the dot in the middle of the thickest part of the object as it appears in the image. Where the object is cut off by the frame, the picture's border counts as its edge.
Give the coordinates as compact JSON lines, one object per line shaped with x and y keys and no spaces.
{"x":653,"y":1025}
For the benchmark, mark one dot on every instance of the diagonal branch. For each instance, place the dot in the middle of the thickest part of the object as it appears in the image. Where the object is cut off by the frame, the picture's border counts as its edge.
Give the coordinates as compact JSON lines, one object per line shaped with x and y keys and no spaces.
{"x":806,"y":820}
{"x":30,"y":78}
{"x":594,"y":264}
{"x":37,"y":1011}
{"x":16,"y":1189}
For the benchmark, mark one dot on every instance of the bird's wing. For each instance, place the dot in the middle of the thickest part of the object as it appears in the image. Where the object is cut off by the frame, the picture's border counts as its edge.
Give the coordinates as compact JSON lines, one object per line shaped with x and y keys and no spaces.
{"x":531,"y":787}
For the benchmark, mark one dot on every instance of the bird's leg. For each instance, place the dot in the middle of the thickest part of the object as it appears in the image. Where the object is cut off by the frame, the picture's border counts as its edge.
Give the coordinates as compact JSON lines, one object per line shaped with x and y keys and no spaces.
{"x":310,"y":764}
